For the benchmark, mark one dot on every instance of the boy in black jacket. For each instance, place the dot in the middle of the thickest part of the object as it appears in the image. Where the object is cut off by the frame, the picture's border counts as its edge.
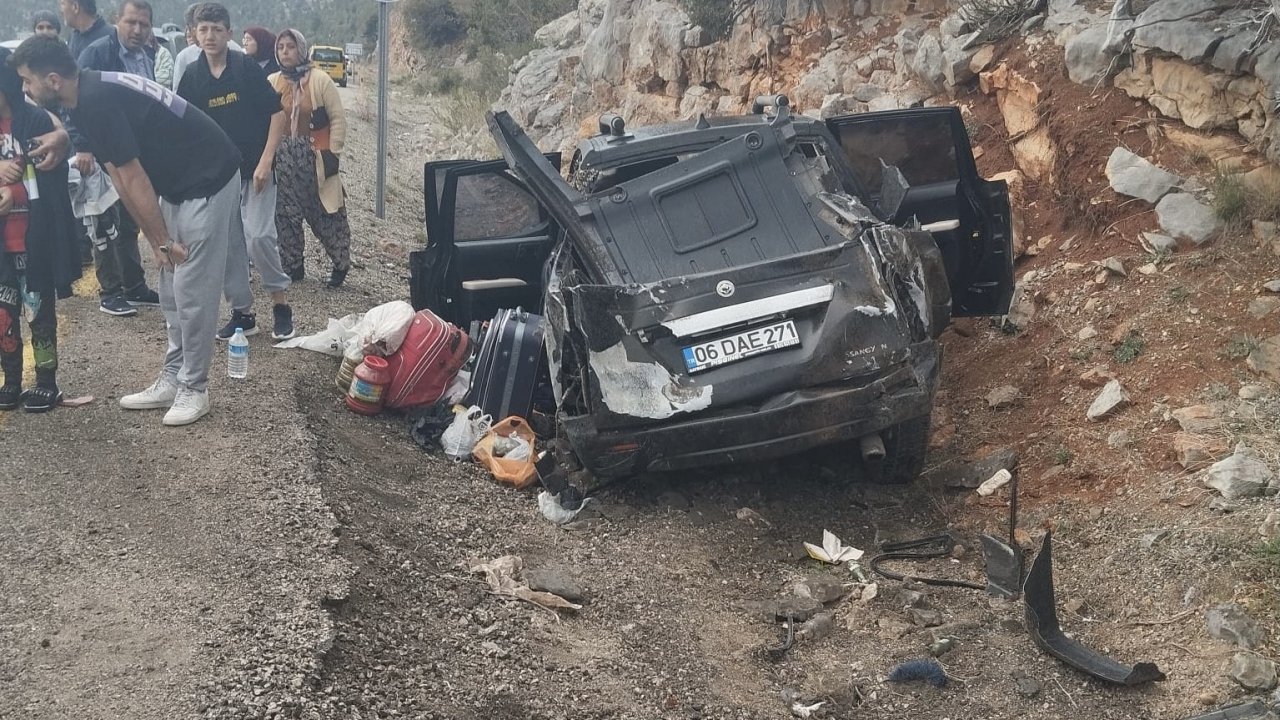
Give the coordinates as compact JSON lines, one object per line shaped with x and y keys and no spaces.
{"x":232,"y":89}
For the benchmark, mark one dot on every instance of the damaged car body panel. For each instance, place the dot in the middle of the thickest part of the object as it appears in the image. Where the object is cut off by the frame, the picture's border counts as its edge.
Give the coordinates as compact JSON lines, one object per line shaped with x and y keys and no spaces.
{"x":726,"y":292}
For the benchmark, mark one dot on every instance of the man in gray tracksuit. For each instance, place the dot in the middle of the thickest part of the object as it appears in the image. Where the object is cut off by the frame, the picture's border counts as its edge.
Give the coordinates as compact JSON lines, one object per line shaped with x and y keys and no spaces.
{"x":154,"y":143}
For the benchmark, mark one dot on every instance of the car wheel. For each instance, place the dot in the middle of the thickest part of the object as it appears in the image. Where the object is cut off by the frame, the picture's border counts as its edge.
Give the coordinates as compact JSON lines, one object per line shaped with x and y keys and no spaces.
{"x":342,"y":82}
{"x":905,"y":445}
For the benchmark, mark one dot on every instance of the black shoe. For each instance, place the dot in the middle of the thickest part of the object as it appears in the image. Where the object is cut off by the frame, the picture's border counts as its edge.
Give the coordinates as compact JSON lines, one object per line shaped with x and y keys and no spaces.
{"x":282,"y":328}
{"x":116,"y":305}
{"x":248,"y":322}
{"x":336,"y":278}
{"x":41,"y":399}
{"x":297,"y":274}
{"x":10,"y":397}
{"x":145,"y":296}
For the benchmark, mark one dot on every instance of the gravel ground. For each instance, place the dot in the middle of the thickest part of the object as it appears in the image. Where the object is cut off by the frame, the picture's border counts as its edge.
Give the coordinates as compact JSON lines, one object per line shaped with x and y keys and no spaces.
{"x":286,"y":558}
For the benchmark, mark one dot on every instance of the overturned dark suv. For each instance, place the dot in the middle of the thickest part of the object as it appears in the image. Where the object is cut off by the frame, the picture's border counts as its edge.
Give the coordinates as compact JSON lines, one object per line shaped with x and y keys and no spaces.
{"x":729,"y":289}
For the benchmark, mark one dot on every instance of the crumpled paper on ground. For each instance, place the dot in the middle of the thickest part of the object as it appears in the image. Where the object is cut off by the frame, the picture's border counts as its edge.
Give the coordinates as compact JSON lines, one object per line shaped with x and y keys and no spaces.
{"x":502,"y":575}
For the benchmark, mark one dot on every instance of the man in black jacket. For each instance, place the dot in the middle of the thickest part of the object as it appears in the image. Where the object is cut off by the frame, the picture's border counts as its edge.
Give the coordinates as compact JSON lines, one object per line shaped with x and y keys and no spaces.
{"x":85,"y":23}
{"x":123,"y":284}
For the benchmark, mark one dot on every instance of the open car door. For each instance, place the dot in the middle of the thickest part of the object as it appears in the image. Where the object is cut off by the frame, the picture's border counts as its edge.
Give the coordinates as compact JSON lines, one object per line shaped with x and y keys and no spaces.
{"x":968,"y":216}
{"x":487,"y":242}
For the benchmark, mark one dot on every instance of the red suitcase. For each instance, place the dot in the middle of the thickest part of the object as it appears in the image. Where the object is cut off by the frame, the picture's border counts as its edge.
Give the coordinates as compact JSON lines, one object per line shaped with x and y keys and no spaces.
{"x":421,"y":370}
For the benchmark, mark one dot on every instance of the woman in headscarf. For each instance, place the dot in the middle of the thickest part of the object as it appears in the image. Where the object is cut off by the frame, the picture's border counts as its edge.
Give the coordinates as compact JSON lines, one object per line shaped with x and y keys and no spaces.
{"x":38,"y":254}
{"x":260,"y":44}
{"x":307,"y":161}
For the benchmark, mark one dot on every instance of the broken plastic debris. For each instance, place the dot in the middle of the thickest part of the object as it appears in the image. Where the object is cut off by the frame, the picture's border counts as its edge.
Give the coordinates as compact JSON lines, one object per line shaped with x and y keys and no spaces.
{"x":803,"y":711}
{"x":995,"y":482}
{"x":76,"y":401}
{"x":833,"y":550}
{"x":555,"y":512}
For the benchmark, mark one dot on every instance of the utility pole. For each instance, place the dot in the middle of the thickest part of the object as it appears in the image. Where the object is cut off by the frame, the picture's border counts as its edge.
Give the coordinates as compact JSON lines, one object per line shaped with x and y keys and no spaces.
{"x":384,"y":33}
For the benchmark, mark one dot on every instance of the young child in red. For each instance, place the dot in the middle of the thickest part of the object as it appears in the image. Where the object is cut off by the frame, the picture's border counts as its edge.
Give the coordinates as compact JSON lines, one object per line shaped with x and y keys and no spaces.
{"x":38,"y":260}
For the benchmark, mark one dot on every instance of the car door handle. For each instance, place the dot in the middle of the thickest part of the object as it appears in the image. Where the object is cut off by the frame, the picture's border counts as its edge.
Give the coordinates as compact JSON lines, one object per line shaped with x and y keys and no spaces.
{"x":940,"y":226}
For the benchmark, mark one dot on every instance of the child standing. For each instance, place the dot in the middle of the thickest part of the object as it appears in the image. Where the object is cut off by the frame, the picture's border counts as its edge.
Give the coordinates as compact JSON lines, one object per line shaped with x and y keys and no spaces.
{"x":38,"y":260}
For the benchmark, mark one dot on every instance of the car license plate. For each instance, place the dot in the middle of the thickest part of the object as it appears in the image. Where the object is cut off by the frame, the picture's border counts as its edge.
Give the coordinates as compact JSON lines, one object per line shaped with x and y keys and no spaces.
{"x":741,"y":346}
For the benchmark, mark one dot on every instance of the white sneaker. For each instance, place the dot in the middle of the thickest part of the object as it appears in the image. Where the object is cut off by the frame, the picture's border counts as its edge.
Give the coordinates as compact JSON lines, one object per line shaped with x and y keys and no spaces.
{"x":188,"y":407}
{"x":159,"y":395}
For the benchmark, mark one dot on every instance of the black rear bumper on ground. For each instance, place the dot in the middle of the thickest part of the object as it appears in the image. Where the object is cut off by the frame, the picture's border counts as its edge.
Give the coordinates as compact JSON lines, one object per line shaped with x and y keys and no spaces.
{"x":785,"y":424}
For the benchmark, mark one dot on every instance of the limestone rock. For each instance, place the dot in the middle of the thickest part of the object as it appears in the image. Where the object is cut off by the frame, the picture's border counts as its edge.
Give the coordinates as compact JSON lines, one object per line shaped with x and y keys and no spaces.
{"x":1239,"y":476}
{"x":1196,"y":452}
{"x":1003,"y":397}
{"x":1270,"y":529}
{"x":1265,"y":359}
{"x":560,"y":33}
{"x":928,"y":62}
{"x":1020,"y":100}
{"x":1160,"y":243}
{"x":1253,"y":673}
{"x":1096,"y":377}
{"x":1263,"y":306}
{"x":1111,"y":399}
{"x":1185,"y":218}
{"x":1190,"y":29}
{"x":1229,"y":622}
{"x":1088,"y":63}
{"x":1197,"y":419}
{"x":1135,"y":176}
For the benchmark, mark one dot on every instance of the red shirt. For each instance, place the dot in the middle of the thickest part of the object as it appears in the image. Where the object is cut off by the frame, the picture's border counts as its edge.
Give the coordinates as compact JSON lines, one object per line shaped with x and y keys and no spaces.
{"x":15,"y":222}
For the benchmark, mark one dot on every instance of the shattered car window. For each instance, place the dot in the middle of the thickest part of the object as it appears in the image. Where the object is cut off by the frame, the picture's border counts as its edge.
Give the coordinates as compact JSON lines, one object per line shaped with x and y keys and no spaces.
{"x":921,"y":147}
{"x":490,"y":206}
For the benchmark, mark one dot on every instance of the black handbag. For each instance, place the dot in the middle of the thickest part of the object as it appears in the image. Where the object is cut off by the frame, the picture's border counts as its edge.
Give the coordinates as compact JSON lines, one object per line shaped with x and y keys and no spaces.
{"x":319,"y":118}
{"x":330,"y":160}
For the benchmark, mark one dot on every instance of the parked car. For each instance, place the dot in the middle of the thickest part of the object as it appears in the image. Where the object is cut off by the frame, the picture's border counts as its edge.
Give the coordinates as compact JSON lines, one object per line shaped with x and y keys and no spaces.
{"x":331,"y":61}
{"x":729,"y":289}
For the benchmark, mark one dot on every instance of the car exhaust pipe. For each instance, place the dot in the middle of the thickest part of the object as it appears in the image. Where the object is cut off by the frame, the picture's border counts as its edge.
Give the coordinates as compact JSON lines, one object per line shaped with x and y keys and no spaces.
{"x":872,"y":447}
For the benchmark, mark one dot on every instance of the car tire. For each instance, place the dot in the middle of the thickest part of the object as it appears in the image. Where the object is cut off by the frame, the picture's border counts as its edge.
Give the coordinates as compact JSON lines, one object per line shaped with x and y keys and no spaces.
{"x":342,"y":82}
{"x":905,"y":446}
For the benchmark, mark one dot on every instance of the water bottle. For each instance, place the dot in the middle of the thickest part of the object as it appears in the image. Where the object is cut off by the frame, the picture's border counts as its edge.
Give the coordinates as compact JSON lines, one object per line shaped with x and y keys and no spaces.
{"x":238,"y":355}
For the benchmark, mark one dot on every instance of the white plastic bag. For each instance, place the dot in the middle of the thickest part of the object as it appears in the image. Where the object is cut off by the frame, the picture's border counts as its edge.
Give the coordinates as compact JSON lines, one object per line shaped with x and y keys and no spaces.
{"x":458,"y":388}
{"x":383,"y":328}
{"x":329,"y":341}
{"x":460,"y":438}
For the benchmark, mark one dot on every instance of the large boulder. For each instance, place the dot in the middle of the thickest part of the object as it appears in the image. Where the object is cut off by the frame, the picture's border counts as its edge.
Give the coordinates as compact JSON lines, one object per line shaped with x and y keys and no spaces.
{"x":561,"y":33}
{"x":1190,"y":29}
{"x":1242,"y":475}
{"x":928,"y":62}
{"x":1135,"y":176}
{"x":1185,"y":218}
{"x":657,"y":38}
{"x":1088,"y":60}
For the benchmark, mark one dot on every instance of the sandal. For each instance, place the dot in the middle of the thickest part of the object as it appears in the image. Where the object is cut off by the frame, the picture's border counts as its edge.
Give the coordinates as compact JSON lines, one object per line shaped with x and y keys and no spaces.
{"x":10,"y":397}
{"x":41,"y":399}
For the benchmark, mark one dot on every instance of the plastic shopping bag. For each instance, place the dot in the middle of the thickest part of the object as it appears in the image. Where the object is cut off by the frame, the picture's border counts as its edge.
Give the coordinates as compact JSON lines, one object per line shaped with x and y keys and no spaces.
{"x":460,"y":438}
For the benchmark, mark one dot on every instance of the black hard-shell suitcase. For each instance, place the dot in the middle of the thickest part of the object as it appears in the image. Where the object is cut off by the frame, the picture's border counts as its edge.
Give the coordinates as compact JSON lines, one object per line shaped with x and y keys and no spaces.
{"x":510,"y":366}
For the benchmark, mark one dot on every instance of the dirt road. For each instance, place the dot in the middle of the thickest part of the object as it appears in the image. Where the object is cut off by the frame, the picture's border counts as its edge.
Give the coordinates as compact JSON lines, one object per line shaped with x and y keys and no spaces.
{"x":286,"y":558}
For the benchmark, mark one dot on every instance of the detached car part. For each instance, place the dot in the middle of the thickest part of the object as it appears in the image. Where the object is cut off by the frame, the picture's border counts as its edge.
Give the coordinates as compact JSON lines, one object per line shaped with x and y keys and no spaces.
{"x":1042,"y":622}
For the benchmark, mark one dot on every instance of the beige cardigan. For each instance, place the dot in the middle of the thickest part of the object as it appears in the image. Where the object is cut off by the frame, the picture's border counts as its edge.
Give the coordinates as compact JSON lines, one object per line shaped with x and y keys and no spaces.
{"x":324,"y":93}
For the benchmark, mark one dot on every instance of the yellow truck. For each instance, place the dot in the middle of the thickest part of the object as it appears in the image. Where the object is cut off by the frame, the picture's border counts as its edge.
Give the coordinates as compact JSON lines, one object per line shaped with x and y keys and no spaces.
{"x":332,"y":61}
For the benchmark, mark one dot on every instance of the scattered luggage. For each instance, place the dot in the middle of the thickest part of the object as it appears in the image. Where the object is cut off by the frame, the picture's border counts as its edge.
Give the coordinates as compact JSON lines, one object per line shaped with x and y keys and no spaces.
{"x":510,"y":366}
{"x":429,"y":358}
